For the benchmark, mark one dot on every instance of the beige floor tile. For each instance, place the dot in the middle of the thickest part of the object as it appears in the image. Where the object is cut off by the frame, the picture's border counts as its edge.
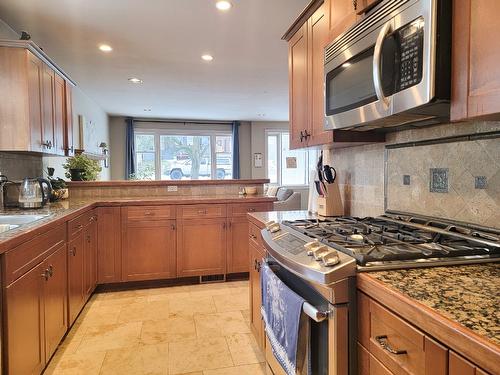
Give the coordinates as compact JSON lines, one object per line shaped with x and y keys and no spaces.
{"x":246,"y":315}
{"x":113,"y":336}
{"x":244,"y":290}
{"x":167,"y":330}
{"x":255,"y":369}
{"x":220,"y":324}
{"x":142,"y":360}
{"x":231,"y":302}
{"x":214,"y":289}
{"x":99,"y":315}
{"x":238,"y":284}
{"x":76,"y":364}
{"x":137,"y":312}
{"x":189,"y":306}
{"x":244,"y":349}
{"x":198,"y":355}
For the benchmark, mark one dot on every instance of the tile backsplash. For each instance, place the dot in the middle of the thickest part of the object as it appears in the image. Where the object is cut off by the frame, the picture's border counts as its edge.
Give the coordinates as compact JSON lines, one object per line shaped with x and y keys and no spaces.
{"x":16,"y":166}
{"x":455,"y":180}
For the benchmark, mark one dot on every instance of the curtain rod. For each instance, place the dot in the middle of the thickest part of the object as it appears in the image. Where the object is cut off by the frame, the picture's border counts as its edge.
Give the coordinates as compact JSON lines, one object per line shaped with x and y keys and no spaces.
{"x":173,"y":121}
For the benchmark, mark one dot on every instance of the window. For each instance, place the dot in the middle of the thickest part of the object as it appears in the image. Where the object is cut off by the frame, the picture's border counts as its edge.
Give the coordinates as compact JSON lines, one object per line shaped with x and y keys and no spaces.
{"x":285,"y":166}
{"x":176,"y":155}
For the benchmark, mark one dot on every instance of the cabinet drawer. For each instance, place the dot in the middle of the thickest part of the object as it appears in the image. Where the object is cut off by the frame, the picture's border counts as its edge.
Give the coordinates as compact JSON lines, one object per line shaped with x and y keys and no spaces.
{"x":22,"y":258}
{"x":254,"y":235}
{"x":241,"y":209}
{"x":399,"y":346}
{"x":76,"y":225}
{"x":150,"y":213}
{"x":201,"y":210}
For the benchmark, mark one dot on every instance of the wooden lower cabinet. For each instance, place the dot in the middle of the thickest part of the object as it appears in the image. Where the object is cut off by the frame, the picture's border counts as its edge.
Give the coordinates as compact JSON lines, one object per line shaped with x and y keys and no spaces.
{"x":90,"y":255}
{"x":36,"y":319}
{"x":237,"y":245}
{"x":109,"y":252}
{"x":148,"y":249}
{"x":256,"y":323}
{"x":201,"y":247}
{"x":76,"y":286}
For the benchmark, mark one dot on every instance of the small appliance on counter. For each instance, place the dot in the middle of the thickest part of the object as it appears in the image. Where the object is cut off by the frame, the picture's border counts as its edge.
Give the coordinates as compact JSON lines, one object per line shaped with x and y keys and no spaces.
{"x":34,"y":193}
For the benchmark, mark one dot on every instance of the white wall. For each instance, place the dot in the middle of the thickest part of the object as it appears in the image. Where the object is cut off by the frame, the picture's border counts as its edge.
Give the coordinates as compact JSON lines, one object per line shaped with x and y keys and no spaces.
{"x":83,"y":105}
{"x":6,"y":32}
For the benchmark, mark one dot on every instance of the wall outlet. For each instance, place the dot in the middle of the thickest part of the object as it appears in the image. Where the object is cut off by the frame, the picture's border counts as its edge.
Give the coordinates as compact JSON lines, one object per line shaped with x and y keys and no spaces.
{"x":172,"y":188}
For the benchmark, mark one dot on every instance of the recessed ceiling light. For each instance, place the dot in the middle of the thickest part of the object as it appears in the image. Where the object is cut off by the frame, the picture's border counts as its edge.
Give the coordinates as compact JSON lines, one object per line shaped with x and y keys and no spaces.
{"x":105,"y":48}
{"x":223,"y":5}
{"x":147,"y":109}
{"x":346,"y":65}
{"x":207,"y":57}
{"x":135,"y":80}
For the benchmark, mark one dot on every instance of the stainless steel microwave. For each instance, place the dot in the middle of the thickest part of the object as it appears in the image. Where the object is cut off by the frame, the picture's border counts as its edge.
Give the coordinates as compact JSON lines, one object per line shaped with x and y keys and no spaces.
{"x":392,"y":68}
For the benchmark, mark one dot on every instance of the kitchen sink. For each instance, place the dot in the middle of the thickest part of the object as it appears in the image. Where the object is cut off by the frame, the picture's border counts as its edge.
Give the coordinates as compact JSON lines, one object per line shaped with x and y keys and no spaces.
{"x":7,"y":227}
{"x":19,"y":219}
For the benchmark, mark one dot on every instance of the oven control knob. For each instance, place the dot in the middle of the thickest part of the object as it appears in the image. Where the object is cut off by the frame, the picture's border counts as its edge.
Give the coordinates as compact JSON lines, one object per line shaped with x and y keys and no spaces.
{"x":311,"y":245}
{"x":331,"y":258}
{"x":273,"y":228}
{"x":319,"y":252}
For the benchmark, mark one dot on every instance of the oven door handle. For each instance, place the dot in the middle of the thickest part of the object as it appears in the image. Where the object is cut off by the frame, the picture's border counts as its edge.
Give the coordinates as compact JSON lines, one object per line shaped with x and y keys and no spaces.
{"x":313,"y":313}
{"x":377,"y":68}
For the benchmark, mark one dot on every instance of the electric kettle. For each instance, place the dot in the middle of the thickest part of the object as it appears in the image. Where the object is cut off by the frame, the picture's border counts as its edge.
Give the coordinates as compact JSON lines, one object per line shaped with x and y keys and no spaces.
{"x":32,"y":193}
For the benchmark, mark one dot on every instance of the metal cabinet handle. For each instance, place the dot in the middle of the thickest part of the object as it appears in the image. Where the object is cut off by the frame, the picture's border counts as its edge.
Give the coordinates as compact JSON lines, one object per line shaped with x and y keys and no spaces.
{"x":258,"y":266}
{"x":45,"y":275}
{"x":202,"y":212}
{"x":173,"y":226}
{"x":251,"y":209}
{"x":355,"y":4}
{"x":382,"y":341}
{"x":73,"y":251}
{"x":302,"y":137}
{"x":253,"y":236}
{"x":80,"y":226}
{"x":50,"y":271}
{"x":149,"y":213}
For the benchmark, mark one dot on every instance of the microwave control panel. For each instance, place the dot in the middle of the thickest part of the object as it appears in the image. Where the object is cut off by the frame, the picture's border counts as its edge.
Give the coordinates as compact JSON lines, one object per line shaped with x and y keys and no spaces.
{"x":411,"y":41}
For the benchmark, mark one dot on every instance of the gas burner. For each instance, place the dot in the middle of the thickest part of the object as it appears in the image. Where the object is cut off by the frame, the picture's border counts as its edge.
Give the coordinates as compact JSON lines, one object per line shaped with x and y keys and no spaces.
{"x":399,"y":239}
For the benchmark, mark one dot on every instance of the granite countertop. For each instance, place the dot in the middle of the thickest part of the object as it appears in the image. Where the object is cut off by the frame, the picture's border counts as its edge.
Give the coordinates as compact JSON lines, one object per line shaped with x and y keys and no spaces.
{"x":64,"y":210}
{"x":466,"y":294}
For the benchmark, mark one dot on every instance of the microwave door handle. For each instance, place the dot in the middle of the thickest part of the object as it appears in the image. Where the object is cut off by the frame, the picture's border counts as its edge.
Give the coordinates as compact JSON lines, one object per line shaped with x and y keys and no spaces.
{"x":377,"y":71}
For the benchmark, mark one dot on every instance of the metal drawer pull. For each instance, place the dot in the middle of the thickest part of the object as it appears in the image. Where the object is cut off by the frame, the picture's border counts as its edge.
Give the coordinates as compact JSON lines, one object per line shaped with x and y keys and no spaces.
{"x":313,"y":313}
{"x":202,"y":212}
{"x":148,"y":213}
{"x":382,"y":340}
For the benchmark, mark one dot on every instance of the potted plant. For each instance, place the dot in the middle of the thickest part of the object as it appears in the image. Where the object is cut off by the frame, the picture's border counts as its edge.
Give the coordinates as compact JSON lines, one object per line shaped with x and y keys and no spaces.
{"x":82,"y":168}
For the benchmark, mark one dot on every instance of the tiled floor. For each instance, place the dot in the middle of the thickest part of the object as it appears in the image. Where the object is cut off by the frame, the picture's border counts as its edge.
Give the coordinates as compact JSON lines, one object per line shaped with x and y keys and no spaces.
{"x":189,"y":330}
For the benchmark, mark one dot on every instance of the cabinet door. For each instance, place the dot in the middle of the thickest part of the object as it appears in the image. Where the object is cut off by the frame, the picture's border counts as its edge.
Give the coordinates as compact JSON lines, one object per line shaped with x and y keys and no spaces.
{"x":318,"y":38}
{"x":35,"y":67}
{"x":109,"y":259}
{"x":75,"y":276}
{"x":237,"y":245}
{"x":342,"y":12}
{"x":148,"y":249}
{"x":68,"y":120}
{"x":48,"y":77}
{"x":297,"y":77}
{"x":25,"y":324}
{"x":201,"y":247}
{"x":255,"y":293}
{"x":90,"y":256}
{"x":475,"y":56}
{"x":59,"y":115}
{"x":55,"y":294}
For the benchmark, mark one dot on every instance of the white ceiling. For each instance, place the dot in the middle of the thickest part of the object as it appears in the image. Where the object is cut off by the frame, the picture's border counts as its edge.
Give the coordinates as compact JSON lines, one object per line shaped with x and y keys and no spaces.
{"x":161,"y":41}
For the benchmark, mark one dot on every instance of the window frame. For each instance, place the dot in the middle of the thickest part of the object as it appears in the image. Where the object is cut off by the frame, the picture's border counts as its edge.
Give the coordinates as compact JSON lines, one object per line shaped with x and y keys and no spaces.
{"x":279,"y":133}
{"x":213,"y":134}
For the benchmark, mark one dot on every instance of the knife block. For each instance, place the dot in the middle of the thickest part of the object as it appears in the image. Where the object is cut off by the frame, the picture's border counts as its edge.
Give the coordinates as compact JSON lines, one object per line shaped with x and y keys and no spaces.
{"x":331,"y":203}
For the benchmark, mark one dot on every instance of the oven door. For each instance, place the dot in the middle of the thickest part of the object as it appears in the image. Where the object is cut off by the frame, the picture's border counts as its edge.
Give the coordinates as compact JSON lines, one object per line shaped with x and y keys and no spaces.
{"x":382,"y":66}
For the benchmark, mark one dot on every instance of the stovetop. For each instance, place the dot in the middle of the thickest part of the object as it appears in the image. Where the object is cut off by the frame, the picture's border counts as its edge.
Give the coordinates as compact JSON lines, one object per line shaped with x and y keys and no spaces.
{"x":398,"y":241}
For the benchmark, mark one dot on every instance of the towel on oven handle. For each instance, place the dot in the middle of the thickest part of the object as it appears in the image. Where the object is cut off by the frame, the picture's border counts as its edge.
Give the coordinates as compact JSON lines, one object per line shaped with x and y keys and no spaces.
{"x":286,"y":326}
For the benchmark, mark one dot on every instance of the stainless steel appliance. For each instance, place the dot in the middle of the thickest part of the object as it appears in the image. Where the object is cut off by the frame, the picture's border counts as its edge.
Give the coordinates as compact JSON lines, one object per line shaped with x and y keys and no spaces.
{"x":34,"y":192}
{"x":325,"y":255}
{"x":392,"y":68}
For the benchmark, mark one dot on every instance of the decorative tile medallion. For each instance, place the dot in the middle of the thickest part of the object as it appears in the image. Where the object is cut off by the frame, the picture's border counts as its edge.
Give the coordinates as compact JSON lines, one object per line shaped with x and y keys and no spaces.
{"x":439,"y":180}
{"x":406,"y":179}
{"x":480,"y":182}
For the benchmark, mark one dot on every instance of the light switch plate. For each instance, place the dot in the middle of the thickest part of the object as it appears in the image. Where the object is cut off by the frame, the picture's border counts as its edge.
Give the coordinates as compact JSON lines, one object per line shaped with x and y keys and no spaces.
{"x":438,"y":180}
{"x":171,"y":188}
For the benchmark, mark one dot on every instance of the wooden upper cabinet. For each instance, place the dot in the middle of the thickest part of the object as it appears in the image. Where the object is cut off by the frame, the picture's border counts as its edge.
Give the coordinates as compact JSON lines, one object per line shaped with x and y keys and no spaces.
{"x":33,"y":109}
{"x":342,"y":12}
{"x":475,"y":57}
{"x":318,"y":38}
{"x":298,"y":81}
{"x":69,"y":147}
{"x":59,"y":115}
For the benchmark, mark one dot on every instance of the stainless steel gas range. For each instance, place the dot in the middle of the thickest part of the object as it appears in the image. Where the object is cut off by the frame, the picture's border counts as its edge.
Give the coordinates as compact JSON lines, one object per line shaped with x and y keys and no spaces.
{"x":320,"y":257}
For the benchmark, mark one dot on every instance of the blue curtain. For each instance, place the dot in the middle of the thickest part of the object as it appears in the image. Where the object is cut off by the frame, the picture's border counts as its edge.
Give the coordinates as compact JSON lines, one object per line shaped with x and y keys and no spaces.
{"x":129,"y":148}
{"x":236,"y":150}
